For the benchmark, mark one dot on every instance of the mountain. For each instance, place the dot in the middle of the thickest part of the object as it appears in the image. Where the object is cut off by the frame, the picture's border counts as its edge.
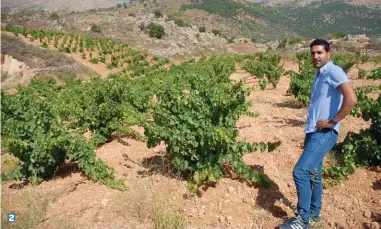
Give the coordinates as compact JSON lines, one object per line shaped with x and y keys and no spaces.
{"x":322,"y":17}
{"x":304,"y":2}
{"x":305,"y":18}
{"x":58,"y":5}
{"x":258,"y":20}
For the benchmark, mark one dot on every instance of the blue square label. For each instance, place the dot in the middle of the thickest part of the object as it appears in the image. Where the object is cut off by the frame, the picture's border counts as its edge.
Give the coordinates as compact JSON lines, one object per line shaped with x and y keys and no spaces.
{"x":11,"y":217}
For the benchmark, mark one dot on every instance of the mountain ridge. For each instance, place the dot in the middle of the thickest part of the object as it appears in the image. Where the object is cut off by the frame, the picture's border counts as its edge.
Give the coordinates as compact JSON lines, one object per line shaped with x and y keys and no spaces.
{"x":274,"y":20}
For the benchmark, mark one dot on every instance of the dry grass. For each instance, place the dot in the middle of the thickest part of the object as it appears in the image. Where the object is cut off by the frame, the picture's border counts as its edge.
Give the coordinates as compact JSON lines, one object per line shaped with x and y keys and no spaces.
{"x":150,"y":203}
{"x":30,"y":208}
{"x":9,"y":163}
{"x":4,"y":76}
{"x":169,"y":218}
{"x":260,"y":218}
{"x":291,"y":103}
{"x":31,"y":55}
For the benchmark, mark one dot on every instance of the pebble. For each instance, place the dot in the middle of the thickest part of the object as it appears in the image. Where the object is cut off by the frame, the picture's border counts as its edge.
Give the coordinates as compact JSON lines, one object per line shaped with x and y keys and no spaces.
{"x":367,"y":214}
{"x":231,"y":189}
{"x":229,"y":219}
{"x":247,"y":200}
{"x":374,"y":225}
{"x":104,"y":202}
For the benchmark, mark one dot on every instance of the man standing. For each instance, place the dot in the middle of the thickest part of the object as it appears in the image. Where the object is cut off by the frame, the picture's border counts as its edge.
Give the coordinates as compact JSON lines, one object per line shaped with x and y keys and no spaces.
{"x":332,"y":98}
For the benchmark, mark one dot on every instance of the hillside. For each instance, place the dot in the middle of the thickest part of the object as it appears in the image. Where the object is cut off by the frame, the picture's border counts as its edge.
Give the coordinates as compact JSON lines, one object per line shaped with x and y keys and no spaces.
{"x":304,"y":2}
{"x":314,"y":19}
{"x":320,"y":18}
{"x":21,"y":62}
{"x":123,"y":26}
{"x":275,"y":20}
{"x":113,"y":128}
{"x":158,"y":193}
{"x":56,"y":5}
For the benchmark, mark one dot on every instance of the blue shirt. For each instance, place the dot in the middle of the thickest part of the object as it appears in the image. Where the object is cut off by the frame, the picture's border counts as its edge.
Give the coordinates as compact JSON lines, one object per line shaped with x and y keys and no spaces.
{"x":326,"y":99}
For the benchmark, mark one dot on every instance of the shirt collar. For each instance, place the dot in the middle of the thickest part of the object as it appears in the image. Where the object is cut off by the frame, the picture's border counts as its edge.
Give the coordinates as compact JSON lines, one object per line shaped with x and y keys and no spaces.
{"x":322,"y":69}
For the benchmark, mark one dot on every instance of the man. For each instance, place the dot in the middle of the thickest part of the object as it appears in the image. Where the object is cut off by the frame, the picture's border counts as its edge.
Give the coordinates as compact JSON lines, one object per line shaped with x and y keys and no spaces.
{"x":332,"y":98}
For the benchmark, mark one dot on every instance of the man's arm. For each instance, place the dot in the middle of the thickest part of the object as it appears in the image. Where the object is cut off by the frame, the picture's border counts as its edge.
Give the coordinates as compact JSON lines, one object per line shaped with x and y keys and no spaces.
{"x":349,"y":101}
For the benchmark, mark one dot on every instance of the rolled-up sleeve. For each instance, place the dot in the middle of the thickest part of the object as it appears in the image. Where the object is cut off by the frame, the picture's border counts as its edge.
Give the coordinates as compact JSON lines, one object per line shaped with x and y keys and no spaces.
{"x":337,"y":77}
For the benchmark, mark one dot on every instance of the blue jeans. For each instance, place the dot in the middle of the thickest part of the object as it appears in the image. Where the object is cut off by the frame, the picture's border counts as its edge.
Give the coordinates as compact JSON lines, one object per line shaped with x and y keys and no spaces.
{"x":307,"y":172}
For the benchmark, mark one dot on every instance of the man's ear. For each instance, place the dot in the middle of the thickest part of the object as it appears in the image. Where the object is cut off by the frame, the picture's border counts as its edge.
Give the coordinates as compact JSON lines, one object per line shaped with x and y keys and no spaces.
{"x":329,"y":55}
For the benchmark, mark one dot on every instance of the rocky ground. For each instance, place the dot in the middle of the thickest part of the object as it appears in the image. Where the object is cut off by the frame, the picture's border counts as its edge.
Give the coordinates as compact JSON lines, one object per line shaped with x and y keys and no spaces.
{"x":72,"y":201}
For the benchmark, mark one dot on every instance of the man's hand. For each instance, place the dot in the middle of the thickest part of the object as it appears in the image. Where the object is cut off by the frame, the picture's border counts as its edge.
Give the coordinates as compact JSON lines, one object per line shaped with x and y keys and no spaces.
{"x":322,"y":124}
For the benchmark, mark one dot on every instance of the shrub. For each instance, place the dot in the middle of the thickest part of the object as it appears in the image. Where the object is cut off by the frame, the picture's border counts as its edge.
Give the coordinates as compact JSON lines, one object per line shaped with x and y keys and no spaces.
{"x":282,"y":44}
{"x":44,"y":45}
{"x":363,"y":58}
{"x":231,"y":39}
{"x":211,"y":140}
{"x":158,"y":13}
{"x":216,"y":32}
{"x":180,"y":23}
{"x":301,"y":81}
{"x":94,"y":60}
{"x":362,"y":73}
{"x":202,"y":29}
{"x":53,"y":16}
{"x":266,"y":65}
{"x":96,"y":28}
{"x":344,"y":60}
{"x":336,"y":35}
{"x":156,"y":30}
{"x":377,"y":59}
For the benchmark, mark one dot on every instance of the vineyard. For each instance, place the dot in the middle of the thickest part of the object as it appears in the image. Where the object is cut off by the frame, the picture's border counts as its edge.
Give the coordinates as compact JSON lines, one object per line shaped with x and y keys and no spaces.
{"x":195,"y":115}
{"x":111,"y":54}
{"x":194,"y":108}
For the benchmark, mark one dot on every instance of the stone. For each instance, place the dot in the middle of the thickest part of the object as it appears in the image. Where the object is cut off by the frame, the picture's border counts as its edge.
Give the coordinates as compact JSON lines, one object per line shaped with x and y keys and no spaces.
{"x":202,"y":210}
{"x":231,"y":189}
{"x":247,"y":200}
{"x":104,"y":202}
{"x":229,"y":219}
{"x":374,"y":225}
{"x":367,"y":214}
{"x":363,"y":39}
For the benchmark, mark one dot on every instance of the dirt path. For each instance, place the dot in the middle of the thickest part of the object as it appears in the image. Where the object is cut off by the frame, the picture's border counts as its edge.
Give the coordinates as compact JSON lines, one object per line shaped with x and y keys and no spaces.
{"x":75,"y":202}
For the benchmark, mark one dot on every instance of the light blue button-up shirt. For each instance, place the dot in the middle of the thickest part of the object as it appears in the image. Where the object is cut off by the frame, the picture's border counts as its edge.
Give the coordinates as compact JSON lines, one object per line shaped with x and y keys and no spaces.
{"x":326,"y":99}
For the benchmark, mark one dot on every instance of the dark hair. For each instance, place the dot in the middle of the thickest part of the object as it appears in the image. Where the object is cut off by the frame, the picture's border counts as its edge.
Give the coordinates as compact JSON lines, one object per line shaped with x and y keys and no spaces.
{"x":321,"y":42}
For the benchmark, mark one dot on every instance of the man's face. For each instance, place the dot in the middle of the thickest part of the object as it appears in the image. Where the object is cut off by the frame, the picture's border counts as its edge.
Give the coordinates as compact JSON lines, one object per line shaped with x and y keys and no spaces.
{"x":319,"y":56}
